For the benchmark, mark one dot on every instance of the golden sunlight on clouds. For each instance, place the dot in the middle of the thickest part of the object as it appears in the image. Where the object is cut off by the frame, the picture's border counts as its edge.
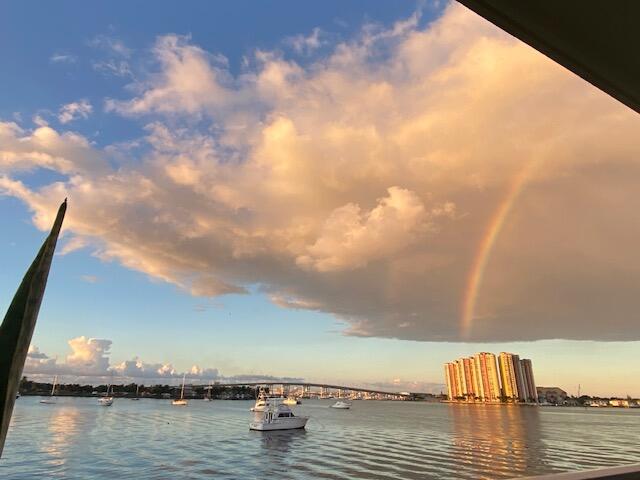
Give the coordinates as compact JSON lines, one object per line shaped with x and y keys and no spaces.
{"x":367,"y":184}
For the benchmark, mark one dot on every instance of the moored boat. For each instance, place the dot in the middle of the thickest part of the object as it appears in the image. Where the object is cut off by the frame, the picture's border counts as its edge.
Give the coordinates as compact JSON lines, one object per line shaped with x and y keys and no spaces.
{"x":207,"y":396}
{"x":107,"y":400}
{"x":51,"y":399}
{"x":277,"y":417}
{"x":137,"y":392}
{"x":181,"y":401}
{"x":341,"y":405}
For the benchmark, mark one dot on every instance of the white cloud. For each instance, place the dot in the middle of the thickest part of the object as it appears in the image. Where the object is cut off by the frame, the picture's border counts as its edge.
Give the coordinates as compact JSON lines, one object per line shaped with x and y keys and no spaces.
{"x":63,"y":58}
{"x":331,"y":185}
{"x":119,"y":68}
{"x":74,"y":111}
{"x":351,"y":238}
{"x":89,"y":361}
{"x":89,"y":355}
{"x":189,"y":80}
{"x":306,"y":44}
{"x":110,"y":44}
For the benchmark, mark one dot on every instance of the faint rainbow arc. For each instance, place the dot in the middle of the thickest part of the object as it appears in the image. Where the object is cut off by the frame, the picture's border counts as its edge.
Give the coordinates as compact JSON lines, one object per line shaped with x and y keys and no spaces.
{"x":485,"y":247}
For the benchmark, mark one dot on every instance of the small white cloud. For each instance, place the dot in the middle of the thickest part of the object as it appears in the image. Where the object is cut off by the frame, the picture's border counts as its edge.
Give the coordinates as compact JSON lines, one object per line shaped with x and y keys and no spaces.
{"x":306,"y":44}
{"x":74,"y":111}
{"x":89,"y":278}
{"x":63,"y":58}
{"x":39,"y":121}
{"x":119,"y":68}
{"x":73,"y":244}
{"x":112,"y":45}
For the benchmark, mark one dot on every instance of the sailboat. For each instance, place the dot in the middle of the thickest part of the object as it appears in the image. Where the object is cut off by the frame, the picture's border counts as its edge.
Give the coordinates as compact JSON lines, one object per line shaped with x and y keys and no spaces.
{"x":51,"y":399}
{"x":137,"y":391}
{"x":181,"y":401}
{"x":107,"y":400}
{"x":207,"y":397}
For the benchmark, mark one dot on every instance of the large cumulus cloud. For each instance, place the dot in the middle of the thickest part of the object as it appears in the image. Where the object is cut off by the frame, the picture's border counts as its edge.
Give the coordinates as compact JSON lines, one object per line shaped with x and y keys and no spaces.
{"x":90,"y":360}
{"x":361,"y":183}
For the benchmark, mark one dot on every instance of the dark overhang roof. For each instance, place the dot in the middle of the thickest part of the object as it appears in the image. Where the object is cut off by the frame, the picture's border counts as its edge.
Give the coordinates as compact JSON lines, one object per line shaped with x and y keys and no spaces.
{"x":596,"y":39}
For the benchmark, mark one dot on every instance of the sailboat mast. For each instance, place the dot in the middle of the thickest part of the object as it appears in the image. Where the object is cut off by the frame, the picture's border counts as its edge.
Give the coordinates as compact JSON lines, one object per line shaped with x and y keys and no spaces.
{"x":53,"y":387}
{"x":182,"y":389}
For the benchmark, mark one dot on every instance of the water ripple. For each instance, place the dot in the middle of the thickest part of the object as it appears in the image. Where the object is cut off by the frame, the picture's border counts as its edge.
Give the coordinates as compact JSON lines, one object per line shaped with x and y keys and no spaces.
{"x":152,"y":439}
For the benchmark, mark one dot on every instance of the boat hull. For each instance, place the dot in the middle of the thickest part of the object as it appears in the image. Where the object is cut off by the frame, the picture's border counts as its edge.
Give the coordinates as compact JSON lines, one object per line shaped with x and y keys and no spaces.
{"x":180,"y":403}
{"x":290,"y":423}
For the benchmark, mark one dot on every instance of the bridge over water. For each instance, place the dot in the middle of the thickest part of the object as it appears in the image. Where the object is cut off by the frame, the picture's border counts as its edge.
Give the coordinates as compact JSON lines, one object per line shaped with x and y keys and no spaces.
{"x":306,"y":387}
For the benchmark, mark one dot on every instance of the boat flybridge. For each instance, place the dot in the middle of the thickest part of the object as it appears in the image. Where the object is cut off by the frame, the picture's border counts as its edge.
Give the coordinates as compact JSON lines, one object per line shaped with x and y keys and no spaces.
{"x":277,"y":417}
{"x":341,"y":405}
{"x":263,"y":401}
{"x":181,"y":401}
{"x":51,"y":399}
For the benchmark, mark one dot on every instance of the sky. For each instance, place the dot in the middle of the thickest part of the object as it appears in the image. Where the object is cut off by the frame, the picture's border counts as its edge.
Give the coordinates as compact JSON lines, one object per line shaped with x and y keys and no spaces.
{"x":348,"y":193}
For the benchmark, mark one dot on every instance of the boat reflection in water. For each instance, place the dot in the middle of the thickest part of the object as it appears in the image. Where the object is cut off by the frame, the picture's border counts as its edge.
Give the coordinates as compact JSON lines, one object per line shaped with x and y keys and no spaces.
{"x":282,"y":440}
{"x":504,"y":438}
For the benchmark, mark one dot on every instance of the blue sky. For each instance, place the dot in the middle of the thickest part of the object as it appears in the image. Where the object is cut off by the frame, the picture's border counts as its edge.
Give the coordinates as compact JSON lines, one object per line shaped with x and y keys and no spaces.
{"x":361,"y":315}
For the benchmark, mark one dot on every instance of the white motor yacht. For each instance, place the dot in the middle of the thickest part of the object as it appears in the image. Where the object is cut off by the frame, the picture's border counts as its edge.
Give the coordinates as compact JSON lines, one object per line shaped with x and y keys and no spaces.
{"x":277,"y":417}
{"x":291,"y":401}
{"x":341,"y":404}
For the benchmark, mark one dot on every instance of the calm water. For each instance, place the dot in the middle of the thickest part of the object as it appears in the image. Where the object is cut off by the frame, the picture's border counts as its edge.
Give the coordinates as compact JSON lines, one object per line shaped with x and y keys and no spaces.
{"x":152,"y":439}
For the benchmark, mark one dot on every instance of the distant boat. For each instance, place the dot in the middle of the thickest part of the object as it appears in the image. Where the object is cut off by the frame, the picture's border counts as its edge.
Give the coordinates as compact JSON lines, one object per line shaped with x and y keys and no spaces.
{"x":291,"y":401}
{"x":137,"y":390}
{"x":342,"y":405}
{"x":207,"y":396}
{"x":181,"y":401}
{"x":107,"y":400}
{"x":51,"y":399}
{"x":278,"y":417}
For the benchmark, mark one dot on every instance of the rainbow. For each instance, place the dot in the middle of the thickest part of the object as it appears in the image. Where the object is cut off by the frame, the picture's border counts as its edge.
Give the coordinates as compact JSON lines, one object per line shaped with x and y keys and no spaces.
{"x":485,"y":247}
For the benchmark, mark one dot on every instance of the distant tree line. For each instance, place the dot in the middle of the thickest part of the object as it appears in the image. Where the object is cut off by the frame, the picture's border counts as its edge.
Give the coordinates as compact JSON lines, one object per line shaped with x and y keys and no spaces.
{"x":239,"y":392}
